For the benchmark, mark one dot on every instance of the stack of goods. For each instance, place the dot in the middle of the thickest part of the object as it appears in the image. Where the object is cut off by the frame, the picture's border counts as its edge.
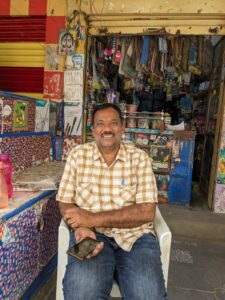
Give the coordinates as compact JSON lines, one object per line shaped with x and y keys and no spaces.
{"x":146,"y":73}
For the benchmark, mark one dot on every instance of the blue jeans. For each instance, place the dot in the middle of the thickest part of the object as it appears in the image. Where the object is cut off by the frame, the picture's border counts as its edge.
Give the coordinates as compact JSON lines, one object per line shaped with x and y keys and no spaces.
{"x":138,"y":272}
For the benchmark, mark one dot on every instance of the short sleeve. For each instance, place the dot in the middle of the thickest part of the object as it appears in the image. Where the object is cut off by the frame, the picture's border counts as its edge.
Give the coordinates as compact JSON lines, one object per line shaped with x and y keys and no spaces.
{"x":67,"y":187}
{"x":146,"y":183}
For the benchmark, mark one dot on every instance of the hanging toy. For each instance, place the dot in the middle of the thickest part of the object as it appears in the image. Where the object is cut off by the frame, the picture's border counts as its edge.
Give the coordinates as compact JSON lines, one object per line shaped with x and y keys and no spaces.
{"x":118,"y":54}
{"x":113,"y":44}
{"x":107,"y":54}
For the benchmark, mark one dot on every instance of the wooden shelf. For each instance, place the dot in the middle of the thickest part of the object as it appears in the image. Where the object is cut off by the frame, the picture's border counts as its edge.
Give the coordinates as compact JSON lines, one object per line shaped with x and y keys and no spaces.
{"x":199,"y":94}
{"x":149,"y":131}
{"x":161,"y":172}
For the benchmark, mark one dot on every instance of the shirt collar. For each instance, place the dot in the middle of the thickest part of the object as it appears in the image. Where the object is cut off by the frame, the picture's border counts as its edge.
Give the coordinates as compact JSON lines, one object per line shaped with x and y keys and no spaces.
{"x":97,"y":153}
{"x":121,"y":155}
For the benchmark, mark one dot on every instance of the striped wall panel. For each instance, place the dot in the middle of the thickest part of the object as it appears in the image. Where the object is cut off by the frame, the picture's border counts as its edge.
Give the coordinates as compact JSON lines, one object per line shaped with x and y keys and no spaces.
{"x":22,"y":29}
{"x":19,"y":79}
{"x":22,"y":24}
{"x":33,"y":7}
{"x":22,"y":54}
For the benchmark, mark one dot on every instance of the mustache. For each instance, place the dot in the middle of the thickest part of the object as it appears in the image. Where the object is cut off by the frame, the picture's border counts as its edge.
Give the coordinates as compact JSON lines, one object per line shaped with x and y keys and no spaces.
{"x":107,"y":132}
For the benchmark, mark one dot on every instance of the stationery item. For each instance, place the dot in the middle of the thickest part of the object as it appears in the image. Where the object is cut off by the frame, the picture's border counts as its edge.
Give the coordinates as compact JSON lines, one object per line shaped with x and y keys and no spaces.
{"x":42,"y":113}
{"x":79,"y":124}
{"x":67,"y":127}
{"x":74,"y":122}
{"x":73,"y":118}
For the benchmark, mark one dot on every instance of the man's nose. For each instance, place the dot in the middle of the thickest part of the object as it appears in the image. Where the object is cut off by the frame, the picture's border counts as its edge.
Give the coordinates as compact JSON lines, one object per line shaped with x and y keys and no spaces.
{"x":107,"y":127}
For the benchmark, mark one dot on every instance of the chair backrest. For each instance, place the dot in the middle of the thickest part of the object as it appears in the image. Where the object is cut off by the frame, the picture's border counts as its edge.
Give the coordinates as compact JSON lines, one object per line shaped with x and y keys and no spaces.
{"x":63,"y":245}
{"x":163,"y":234}
{"x":164,"y":237}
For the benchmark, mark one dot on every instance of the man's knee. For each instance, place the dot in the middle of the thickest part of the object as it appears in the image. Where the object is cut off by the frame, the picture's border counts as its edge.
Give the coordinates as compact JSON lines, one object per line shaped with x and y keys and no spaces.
{"x":86,"y":280}
{"x":143,"y":289}
{"x":82,"y":289}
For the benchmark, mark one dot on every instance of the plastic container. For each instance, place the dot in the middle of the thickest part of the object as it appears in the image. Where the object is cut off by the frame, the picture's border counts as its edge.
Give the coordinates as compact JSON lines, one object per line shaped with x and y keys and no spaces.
{"x":155,"y":124}
{"x":132,"y":107}
{"x":131,"y":123}
{"x":4,"y":199}
{"x":122,"y":106}
{"x":142,"y":139}
{"x":7,"y":167}
{"x":143,"y":123}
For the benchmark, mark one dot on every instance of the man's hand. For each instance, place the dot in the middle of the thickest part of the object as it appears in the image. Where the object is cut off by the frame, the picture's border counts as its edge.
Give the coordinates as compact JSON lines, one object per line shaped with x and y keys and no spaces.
{"x":81,"y":233}
{"x":77,"y":217}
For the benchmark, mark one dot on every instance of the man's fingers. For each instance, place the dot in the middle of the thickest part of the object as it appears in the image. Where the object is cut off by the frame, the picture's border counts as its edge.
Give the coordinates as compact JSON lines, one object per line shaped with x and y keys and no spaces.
{"x":96,"y":251}
{"x":72,"y":223}
{"x":77,"y":237}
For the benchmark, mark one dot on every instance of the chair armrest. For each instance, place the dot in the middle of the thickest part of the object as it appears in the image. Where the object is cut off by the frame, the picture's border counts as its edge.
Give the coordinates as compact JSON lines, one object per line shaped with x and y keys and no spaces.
{"x":63,"y":244}
{"x":164,"y":237}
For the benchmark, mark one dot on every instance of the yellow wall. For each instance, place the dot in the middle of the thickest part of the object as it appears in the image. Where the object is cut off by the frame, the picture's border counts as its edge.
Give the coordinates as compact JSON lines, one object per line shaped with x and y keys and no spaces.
{"x":200,"y":17}
{"x":18,"y":8}
{"x":57,"y":8}
{"x":153,"y":6}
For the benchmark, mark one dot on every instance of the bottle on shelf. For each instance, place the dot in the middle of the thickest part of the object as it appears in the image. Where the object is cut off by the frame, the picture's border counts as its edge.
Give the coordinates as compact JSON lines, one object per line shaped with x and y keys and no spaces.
{"x":3,"y":188}
{"x":7,"y":166}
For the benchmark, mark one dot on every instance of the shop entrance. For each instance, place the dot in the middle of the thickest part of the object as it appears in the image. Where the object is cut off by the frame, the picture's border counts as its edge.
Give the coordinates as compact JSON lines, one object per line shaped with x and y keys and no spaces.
{"x":164,"y":83}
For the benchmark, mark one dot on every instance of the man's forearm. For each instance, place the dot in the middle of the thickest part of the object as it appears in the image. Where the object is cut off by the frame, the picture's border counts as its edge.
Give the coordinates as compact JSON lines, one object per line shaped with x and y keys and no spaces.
{"x":126,"y":217}
{"x":63,"y":207}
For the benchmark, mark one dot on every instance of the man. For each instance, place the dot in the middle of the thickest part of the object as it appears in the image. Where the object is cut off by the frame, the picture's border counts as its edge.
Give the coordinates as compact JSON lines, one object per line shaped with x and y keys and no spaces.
{"x":108,"y":192}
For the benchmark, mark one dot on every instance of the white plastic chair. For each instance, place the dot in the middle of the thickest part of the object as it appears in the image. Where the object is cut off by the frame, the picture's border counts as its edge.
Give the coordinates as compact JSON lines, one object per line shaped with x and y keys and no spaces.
{"x":163,"y":234}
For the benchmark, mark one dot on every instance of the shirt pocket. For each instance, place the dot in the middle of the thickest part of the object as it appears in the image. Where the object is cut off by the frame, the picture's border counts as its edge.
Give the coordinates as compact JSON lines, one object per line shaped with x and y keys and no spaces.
{"x":127,"y":196}
{"x":84,"y":195}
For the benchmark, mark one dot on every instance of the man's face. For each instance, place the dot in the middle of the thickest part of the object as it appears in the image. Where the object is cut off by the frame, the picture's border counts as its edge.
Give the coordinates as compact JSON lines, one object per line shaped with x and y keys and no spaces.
{"x":107,"y":129}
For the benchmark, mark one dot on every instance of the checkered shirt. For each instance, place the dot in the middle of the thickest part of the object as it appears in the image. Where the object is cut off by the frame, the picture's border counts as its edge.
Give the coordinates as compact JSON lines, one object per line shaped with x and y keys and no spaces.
{"x":91,"y":184}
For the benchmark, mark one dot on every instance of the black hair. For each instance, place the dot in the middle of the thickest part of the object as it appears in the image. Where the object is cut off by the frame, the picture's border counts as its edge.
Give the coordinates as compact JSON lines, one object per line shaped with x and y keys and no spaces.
{"x":106,"y":106}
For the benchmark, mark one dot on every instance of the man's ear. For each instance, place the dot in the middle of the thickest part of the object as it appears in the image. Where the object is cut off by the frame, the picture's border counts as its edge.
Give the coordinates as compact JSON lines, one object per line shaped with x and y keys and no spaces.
{"x":92,"y":130}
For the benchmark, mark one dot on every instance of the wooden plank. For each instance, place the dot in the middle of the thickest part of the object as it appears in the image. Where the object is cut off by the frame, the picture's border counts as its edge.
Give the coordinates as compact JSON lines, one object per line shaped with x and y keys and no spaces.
{"x":217,"y":142}
{"x":186,"y":135}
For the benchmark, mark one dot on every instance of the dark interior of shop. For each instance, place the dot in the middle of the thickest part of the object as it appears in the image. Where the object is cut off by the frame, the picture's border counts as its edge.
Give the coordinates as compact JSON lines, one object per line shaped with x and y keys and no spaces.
{"x":162,"y":81}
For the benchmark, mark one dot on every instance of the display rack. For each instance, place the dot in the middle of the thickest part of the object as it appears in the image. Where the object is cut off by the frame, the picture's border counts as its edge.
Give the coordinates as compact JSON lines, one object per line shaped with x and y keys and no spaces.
{"x":156,"y":142}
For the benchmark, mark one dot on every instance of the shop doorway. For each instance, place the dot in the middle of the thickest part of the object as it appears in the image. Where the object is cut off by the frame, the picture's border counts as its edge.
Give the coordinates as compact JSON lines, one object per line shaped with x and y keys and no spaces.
{"x":159,"y":81}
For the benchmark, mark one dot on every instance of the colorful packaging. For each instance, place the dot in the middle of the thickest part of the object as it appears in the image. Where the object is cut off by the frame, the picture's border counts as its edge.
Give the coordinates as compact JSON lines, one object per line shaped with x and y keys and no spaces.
{"x":131,"y":123}
{"x":143,"y":123}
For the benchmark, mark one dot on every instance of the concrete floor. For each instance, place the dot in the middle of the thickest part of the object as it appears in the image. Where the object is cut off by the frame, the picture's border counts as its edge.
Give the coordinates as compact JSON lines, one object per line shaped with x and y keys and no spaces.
{"x":197,"y":270}
{"x":197,"y":265}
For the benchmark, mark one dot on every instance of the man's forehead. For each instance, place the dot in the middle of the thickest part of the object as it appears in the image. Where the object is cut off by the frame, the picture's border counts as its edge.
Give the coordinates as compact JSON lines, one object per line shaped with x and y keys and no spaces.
{"x":107,"y":114}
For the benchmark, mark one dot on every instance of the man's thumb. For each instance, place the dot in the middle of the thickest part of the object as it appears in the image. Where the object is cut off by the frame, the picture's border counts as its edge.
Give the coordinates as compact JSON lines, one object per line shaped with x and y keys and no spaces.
{"x":77,"y":237}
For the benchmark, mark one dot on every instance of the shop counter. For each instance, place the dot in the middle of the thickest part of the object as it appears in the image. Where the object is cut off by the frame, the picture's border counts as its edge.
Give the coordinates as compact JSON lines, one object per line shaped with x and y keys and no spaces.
{"x":28,"y":242}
